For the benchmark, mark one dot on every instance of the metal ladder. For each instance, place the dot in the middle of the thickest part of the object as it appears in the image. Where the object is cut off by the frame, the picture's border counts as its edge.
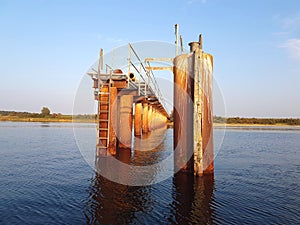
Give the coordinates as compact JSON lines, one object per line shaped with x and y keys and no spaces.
{"x":103,"y":123}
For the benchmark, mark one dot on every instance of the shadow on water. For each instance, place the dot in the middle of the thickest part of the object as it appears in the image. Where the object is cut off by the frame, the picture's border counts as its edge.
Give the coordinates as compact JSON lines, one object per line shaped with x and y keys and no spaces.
{"x":190,"y":202}
{"x":192,"y":199}
{"x":113,"y":203}
{"x":181,"y":199}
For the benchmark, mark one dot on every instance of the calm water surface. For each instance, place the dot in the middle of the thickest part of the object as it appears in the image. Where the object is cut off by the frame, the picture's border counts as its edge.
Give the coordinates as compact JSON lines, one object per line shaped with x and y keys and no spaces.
{"x":45,"y":180}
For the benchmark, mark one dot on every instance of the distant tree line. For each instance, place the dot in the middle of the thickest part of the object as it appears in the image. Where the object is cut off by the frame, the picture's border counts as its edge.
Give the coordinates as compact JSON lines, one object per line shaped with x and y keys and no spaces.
{"x":45,"y":113}
{"x":219,"y":119}
{"x":267,"y":121}
{"x":85,"y":117}
{"x":30,"y":115}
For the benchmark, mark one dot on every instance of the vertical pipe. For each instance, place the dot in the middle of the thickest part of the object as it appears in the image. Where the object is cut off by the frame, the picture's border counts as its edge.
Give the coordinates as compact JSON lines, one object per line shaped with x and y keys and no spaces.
{"x":138,"y":119}
{"x":177,"y":37}
{"x":125,"y":122}
{"x":128,"y":60}
{"x":101,"y":59}
{"x":200,"y":41}
{"x":194,"y":46}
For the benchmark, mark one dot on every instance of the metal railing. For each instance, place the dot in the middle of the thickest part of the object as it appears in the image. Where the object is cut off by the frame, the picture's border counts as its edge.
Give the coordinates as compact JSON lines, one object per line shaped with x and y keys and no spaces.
{"x":151,"y":85}
{"x":144,"y":81}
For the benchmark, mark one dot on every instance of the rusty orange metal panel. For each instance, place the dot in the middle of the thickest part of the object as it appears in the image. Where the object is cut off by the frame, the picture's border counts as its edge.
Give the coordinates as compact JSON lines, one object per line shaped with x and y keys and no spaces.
{"x":203,"y":115}
{"x":183,"y":113}
{"x":193,"y":116}
{"x":112,"y":146}
{"x":120,"y":83}
{"x":150,"y":118}
{"x":145,"y":127}
{"x":125,"y":122}
{"x":208,"y":148}
{"x":138,"y":119}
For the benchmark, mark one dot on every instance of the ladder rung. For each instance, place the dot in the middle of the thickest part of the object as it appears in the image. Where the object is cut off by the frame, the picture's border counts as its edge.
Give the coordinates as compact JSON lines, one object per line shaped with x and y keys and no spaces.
{"x":104,"y":111}
{"x":104,"y":102}
{"x":103,"y":138}
{"x":103,"y":120}
{"x":102,"y":129}
{"x":103,"y":93}
{"x":102,"y":147}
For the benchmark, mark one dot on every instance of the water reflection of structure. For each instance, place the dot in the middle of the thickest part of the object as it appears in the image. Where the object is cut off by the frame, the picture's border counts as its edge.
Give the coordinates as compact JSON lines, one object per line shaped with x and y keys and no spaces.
{"x":191,"y":202}
{"x":139,"y":165}
{"x":192,"y":199}
{"x":188,"y":197}
{"x":113,"y":203}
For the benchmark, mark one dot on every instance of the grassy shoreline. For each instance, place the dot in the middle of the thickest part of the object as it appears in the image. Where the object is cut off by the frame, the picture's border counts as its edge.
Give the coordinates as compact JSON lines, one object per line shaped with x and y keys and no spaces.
{"x":253,"y":125}
{"x":51,"y":120}
{"x":69,"y":119}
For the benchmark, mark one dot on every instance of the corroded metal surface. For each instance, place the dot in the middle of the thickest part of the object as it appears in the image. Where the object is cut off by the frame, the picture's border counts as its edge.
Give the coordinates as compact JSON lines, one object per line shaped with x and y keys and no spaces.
{"x":138,"y":119}
{"x":183,"y":113}
{"x":125,"y":121}
{"x":145,"y":126}
{"x":113,"y":121}
{"x":208,"y":149}
{"x":193,"y":116}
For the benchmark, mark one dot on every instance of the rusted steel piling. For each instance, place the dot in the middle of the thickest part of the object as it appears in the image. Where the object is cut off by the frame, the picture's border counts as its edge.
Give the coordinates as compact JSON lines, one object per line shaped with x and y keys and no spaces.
{"x":193,"y":117}
{"x":125,"y":121}
{"x":150,"y":117}
{"x":138,"y":119}
{"x":113,"y":121}
{"x":145,"y":126}
{"x":183,"y":112}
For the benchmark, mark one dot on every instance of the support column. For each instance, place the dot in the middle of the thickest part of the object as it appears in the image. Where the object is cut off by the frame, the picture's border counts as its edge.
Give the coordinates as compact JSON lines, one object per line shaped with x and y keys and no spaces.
{"x":138,"y":119}
{"x":112,"y":146}
{"x":162,"y":120}
{"x":193,"y":118}
{"x":125,"y":122}
{"x":150,"y":117}
{"x":145,"y":127}
{"x":207,"y":120}
{"x":153,"y":118}
{"x":203,"y":116}
{"x":183,"y":114}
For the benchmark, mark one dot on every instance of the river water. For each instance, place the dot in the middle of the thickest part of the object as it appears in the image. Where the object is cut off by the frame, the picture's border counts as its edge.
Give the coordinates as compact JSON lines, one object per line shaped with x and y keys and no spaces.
{"x":45,"y":180}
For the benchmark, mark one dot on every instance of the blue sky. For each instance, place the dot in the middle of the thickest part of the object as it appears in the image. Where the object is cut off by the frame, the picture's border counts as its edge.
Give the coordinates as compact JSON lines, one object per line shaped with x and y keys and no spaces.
{"x":47,"y":46}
